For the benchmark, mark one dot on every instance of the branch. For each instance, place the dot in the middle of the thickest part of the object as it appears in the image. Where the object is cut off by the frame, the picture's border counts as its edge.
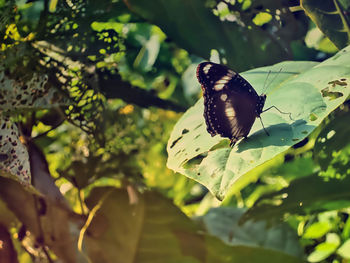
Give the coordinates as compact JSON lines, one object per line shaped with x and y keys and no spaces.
{"x":114,"y":87}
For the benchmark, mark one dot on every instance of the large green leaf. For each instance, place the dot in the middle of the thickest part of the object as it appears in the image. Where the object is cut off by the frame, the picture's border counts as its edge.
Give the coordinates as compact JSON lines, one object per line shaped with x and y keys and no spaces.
{"x":223,"y":222}
{"x":305,"y":195}
{"x":306,"y":89}
{"x":194,"y":27}
{"x":149,"y":228}
{"x":331,"y":16}
{"x":315,"y":193}
{"x":344,"y":250}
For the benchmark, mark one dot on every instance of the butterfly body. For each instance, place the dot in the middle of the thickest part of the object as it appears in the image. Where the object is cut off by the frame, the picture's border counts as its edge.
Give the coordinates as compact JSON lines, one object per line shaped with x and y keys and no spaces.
{"x":231,"y":104}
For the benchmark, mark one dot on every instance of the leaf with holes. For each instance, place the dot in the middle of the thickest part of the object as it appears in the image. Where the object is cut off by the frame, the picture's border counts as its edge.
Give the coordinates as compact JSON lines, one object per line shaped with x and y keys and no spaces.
{"x":21,"y":93}
{"x":331,"y":141}
{"x":308,"y":90}
{"x":14,"y":159}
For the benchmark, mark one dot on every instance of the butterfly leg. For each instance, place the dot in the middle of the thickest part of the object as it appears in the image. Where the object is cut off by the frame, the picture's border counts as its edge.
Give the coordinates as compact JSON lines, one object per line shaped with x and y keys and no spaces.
{"x":268,"y":134}
{"x":233,"y":142}
{"x":289,"y":113}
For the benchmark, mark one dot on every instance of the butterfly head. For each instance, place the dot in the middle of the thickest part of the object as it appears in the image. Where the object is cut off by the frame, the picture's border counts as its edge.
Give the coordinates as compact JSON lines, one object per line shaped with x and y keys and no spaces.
{"x":260,"y":104}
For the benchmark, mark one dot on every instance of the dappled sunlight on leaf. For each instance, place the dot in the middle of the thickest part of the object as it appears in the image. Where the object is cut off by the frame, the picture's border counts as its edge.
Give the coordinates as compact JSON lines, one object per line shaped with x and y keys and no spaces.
{"x":297,"y":89}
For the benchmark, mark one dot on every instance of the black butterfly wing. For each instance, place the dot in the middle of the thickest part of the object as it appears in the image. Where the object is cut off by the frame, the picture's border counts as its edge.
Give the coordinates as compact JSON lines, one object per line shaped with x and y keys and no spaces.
{"x":230,"y":102}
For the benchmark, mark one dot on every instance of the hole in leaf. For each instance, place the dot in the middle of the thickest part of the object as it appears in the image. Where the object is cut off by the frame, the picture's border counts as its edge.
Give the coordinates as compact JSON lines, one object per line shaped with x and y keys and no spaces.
{"x":338,"y":82}
{"x":301,"y":143}
{"x":174,"y":142}
{"x":198,"y":126}
{"x":220,"y":145}
{"x":194,"y":161}
{"x":288,"y":157}
{"x":331,"y":94}
{"x":184,"y":162}
{"x":184,"y":131}
{"x":313,"y":117}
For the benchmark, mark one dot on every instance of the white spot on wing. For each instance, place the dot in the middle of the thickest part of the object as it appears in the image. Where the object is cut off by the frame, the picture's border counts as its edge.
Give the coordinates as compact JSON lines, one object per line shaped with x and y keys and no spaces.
{"x":223,"y":97}
{"x":219,"y":87}
{"x":226,"y":78}
{"x":220,"y":84}
{"x":230,"y":112}
{"x":207,"y":68}
{"x":230,"y":73}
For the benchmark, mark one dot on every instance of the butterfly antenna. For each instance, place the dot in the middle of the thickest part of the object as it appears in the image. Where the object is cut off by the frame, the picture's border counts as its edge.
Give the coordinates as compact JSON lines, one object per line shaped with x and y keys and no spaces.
{"x":268,"y":74}
{"x":272,"y":79}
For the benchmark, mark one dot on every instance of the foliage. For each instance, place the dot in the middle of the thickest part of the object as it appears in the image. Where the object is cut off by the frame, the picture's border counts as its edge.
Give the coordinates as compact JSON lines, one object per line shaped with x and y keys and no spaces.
{"x":91,"y":101}
{"x":155,"y":229}
{"x":194,"y":153}
{"x":332,"y":18}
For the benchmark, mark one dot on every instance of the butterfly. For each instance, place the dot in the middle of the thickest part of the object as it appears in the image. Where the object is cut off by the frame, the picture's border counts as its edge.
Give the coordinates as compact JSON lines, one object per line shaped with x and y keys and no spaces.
{"x":231,"y":104}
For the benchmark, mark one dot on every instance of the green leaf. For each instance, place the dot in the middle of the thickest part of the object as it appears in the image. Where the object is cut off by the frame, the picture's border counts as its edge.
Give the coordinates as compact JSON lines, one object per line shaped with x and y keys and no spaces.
{"x":297,"y":89}
{"x":190,"y":82}
{"x":324,"y":250}
{"x":305,"y":195}
{"x":344,"y":250}
{"x":31,"y":12}
{"x":149,"y":228}
{"x":346,"y":229}
{"x":331,"y":16}
{"x":317,"y":230}
{"x":148,"y":54}
{"x":318,"y":41}
{"x":299,"y":167}
{"x":331,"y":140}
{"x":23,"y":93}
{"x":223,"y":222}
{"x":195,"y":28}
{"x":262,"y":18}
